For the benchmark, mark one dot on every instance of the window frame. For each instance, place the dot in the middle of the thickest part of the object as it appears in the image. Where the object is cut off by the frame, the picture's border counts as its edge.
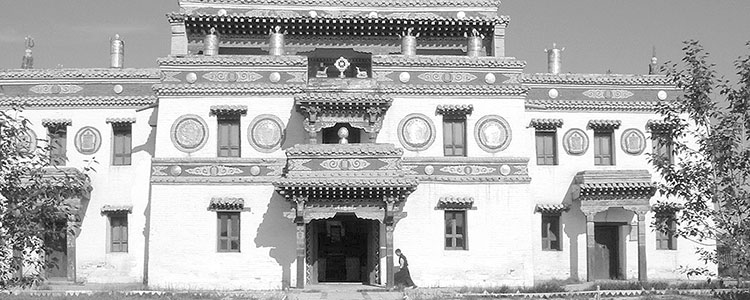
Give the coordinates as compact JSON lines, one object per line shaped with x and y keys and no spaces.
{"x":449,"y":124}
{"x":122,"y":133}
{"x":118,"y":245}
{"x":230,"y":231}
{"x":453,"y":235}
{"x":58,"y":135}
{"x":544,"y":156}
{"x":228,"y":121}
{"x":668,"y":240}
{"x":598,"y":157}
{"x":547,"y":242}
{"x":661,"y":149}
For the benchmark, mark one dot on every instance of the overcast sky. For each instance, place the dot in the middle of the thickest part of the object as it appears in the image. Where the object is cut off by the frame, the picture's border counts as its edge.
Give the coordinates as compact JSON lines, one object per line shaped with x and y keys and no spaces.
{"x":598,"y":35}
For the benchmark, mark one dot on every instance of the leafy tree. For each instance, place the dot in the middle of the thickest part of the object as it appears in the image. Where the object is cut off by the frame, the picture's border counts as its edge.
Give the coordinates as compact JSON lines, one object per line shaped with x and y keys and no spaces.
{"x":34,"y":204}
{"x":713,"y":169}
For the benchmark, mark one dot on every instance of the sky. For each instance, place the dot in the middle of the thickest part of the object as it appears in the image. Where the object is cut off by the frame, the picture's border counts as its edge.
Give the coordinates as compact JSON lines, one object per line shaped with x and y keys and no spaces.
{"x":598,"y":35}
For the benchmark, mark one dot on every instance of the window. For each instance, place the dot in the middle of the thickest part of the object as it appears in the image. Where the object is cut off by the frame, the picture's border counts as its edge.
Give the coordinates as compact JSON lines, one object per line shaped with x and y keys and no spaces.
{"x":661,"y":146}
{"x":454,"y":136}
{"x":229,"y":136}
{"x":546,"y":148}
{"x":551,"y":232}
{"x":455,"y":230}
{"x":58,"y":136}
{"x":228,"y":231}
{"x":666,"y":240}
{"x":603,"y":148}
{"x":122,"y":144}
{"x":118,"y":232}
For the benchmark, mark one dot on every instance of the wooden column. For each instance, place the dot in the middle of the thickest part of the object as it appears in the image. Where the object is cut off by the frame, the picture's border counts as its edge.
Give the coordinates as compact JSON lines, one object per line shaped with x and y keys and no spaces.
{"x":71,"y":250}
{"x":642,"y":270}
{"x":389,"y":255}
{"x":590,"y":246}
{"x":300,"y":255}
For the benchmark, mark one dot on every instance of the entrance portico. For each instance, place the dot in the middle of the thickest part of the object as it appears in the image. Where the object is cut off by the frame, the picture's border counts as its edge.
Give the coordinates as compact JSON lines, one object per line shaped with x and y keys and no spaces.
{"x":326,"y":182}
{"x":600,"y":191}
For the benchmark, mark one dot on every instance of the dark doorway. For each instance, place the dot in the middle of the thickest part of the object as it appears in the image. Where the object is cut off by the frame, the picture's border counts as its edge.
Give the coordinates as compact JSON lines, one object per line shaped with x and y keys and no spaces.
{"x":607,"y":253}
{"x":56,"y":238}
{"x":345,"y":249}
{"x":331,"y":134}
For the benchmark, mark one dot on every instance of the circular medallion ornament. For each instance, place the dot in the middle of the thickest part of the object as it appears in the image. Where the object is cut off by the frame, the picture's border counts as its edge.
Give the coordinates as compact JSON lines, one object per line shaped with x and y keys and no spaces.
{"x":27,"y":141}
{"x":492,"y":133}
{"x":633,"y":141}
{"x":274,"y":77}
{"x":265,"y":133}
{"x":490,"y":78}
{"x":313,"y":13}
{"x":575,"y":142}
{"x":88,"y":140}
{"x":429,"y":170}
{"x":505,"y":170}
{"x":254,"y":170}
{"x":460,"y":15}
{"x":404,"y":77}
{"x":222,"y":12}
{"x":553,"y":93}
{"x":189,"y":133}
{"x":117,"y":89}
{"x":175,"y":170}
{"x":416,"y":132}
{"x":191,"y":77}
{"x":662,"y":95}
{"x":373,"y":14}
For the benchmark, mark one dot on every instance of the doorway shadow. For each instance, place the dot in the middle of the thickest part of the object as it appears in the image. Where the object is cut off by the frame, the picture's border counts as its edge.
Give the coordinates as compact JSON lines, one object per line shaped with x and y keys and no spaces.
{"x":278,"y":233}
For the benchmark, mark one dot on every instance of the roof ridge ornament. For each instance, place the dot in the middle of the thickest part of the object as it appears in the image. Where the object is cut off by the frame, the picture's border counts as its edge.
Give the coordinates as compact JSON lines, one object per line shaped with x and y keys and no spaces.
{"x":554,"y":59}
{"x":28,"y":59}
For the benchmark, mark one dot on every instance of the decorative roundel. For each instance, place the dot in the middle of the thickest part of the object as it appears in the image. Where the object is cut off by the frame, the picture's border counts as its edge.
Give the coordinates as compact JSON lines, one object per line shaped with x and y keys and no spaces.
{"x":662,"y":95}
{"x":553,"y":93}
{"x":373,"y":14}
{"x":633,"y":141}
{"x":191,"y":77}
{"x":266,"y":133}
{"x":460,"y":15}
{"x":274,"y":77}
{"x":117,"y":89}
{"x":189,"y":133}
{"x":88,"y":140}
{"x":490,"y":78}
{"x":404,"y":77}
{"x":313,"y":13}
{"x":575,"y":142}
{"x":492,"y":133}
{"x":222,"y":12}
{"x":416,"y":132}
{"x":27,"y":141}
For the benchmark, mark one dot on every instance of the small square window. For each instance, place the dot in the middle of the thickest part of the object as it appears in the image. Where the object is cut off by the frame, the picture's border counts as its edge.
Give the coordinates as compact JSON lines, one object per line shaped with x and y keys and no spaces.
{"x":455,"y":230}
{"x":118,"y":234}
{"x":228,"y":231}
{"x":551,"y":232}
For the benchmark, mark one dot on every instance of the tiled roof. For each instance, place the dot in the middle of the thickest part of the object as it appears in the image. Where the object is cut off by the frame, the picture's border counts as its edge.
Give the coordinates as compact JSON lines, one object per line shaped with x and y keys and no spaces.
{"x":120,"y":121}
{"x":546,"y":124}
{"x":455,"y":90}
{"x":447,"y":61}
{"x":617,"y":188}
{"x":356,"y":3}
{"x":78,"y":101}
{"x":111,"y":209}
{"x":344,"y":149}
{"x":228,"y":109}
{"x":334,"y":183}
{"x":659,"y":125}
{"x":552,"y":208}
{"x":452,"y":202}
{"x":226,"y":203}
{"x":666,"y":207}
{"x":236,"y":60}
{"x":590,"y":105}
{"x":98,"y":73}
{"x":57,"y":122}
{"x":596,"y":79}
{"x":454,"y":109}
{"x":604,"y":124}
{"x":343,"y":98}
{"x":211,"y":89}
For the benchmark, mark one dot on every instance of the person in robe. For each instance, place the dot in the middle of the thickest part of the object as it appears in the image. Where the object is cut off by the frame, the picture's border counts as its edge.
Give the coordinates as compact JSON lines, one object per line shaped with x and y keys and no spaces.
{"x":403,"y":277}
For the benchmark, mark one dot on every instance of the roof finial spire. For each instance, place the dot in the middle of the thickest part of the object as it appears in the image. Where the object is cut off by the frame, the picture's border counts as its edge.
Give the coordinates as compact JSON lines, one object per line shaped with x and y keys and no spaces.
{"x":28,"y":59}
{"x":554,"y":59}
{"x":653,"y":69}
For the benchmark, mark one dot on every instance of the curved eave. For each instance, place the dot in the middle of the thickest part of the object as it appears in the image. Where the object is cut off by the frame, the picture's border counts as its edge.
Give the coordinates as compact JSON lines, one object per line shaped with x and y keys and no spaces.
{"x":456,"y":90}
{"x":214,"y":89}
{"x":76,"y":74}
{"x":591,"y":105}
{"x":346,"y":3}
{"x":596,"y":79}
{"x":78,"y":101}
{"x":447,"y":61}
{"x":235,"y":60}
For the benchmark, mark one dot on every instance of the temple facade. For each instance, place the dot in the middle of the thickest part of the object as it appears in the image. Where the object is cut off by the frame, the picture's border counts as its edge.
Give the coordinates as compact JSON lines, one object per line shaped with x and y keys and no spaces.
{"x":291,"y":143}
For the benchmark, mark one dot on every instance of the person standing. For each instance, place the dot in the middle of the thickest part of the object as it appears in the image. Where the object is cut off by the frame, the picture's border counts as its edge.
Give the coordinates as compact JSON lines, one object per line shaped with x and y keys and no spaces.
{"x":403,"y":277}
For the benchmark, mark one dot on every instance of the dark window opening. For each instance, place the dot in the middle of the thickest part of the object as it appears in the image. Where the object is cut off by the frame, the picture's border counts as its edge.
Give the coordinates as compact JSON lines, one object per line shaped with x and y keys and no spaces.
{"x":229,"y":136}
{"x":58,"y":136}
{"x":331,"y":134}
{"x":122,"y":145}
{"x":661,"y":146}
{"x":551,"y":232}
{"x":455,"y":230}
{"x":546,"y":148}
{"x":228,"y":231}
{"x":454,"y":136}
{"x":118,"y":225}
{"x":666,"y":240}
{"x":603,"y":148}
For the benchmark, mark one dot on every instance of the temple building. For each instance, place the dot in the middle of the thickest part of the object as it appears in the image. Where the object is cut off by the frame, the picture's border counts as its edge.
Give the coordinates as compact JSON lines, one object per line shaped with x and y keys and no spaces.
{"x":288,"y":143}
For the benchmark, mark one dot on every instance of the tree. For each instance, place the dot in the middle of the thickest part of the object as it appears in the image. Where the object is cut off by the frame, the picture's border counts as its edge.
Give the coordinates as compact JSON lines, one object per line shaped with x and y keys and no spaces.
{"x":712,"y":173}
{"x":34,"y":201}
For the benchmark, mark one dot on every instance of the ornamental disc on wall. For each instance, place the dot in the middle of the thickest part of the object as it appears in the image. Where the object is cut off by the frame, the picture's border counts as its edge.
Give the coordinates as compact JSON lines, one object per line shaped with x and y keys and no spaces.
{"x":26,"y":141}
{"x":492,"y":133}
{"x":575,"y":142}
{"x":266,"y":133}
{"x":633,"y":141}
{"x":416,"y":132}
{"x":189,"y":133}
{"x":88,"y":140}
